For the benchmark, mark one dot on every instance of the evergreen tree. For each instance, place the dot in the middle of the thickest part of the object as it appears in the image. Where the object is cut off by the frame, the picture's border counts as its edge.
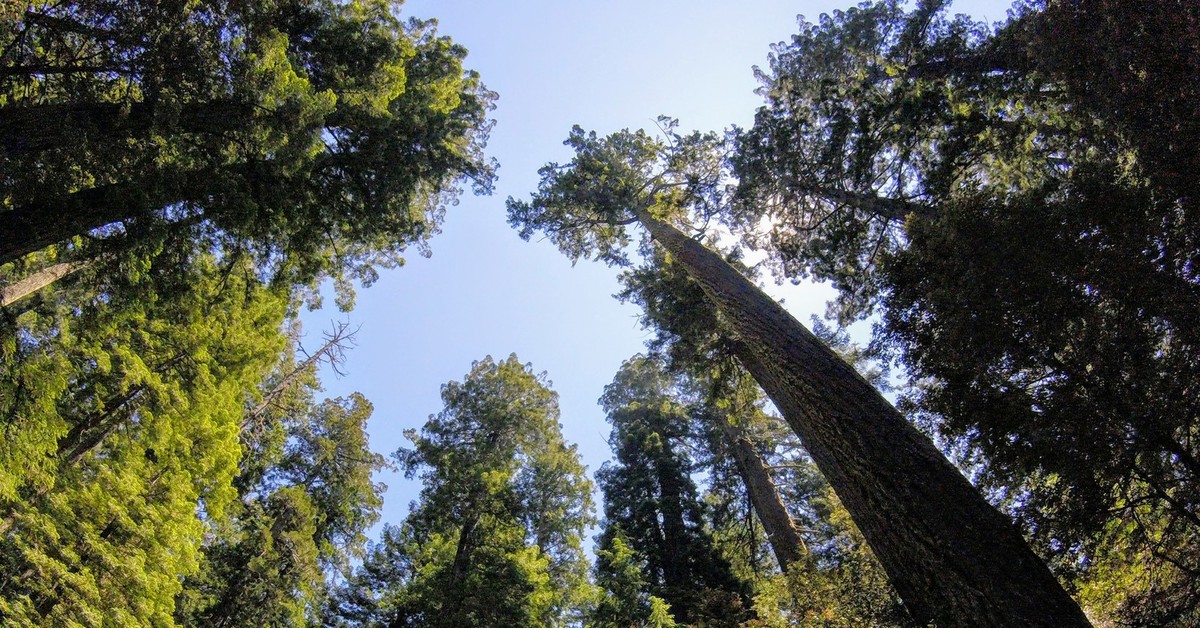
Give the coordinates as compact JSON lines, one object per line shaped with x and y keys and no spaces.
{"x":1012,"y":201}
{"x":951,"y":556}
{"x":653,"y":507}
{"x":176,"y":171}
{"x":496,"y":538}
{"x":119,"y":422}
{"x":277,"y":125}
{"x":306,"y":501}
{"x":624,"y":598}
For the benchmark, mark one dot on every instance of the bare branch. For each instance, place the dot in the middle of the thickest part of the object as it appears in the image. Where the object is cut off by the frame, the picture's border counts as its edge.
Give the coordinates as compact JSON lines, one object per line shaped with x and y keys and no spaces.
{"x":332,"y":352}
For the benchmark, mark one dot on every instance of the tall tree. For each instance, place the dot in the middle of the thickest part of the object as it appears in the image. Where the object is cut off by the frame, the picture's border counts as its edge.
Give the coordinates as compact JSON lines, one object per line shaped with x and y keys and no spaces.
{"x":192,"y":164}
{"x":1013,"y":201}
{"x":496,"y":538}
{"x":833,"y":579}
{"x":306,"y":499}
{"x":951,"y":556}
{"x":117,"y":427}
{"x":652,"y":504}
{"x":689,"y":333}
{"x":323,"y":136}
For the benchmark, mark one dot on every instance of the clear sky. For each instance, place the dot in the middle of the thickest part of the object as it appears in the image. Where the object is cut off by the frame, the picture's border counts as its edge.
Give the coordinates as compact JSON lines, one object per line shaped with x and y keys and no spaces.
{"x":605,"y":65}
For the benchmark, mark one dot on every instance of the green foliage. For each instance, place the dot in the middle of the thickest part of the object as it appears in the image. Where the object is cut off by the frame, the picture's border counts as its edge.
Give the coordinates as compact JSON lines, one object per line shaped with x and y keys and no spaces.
{"x":584,"y":206}
{"x":652,"y":506}
{"x":873,"y":116}
{"x":327,"y":454}
{"x":324,"y":137}
{"x":1076,"y":383}
{"x":198,"y":163}
{"x":103,"y":468}
{"x":1130,"y":65}
{"x":263,"y":571}
{"x":305,"y":507}
{"x":620,"y":578}
{"x":496,"y":538}
{"x":1012,"y":201}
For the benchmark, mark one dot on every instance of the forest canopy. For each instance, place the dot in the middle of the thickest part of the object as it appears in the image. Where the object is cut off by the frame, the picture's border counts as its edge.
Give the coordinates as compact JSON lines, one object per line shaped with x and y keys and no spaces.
{"x":1010,"y":208}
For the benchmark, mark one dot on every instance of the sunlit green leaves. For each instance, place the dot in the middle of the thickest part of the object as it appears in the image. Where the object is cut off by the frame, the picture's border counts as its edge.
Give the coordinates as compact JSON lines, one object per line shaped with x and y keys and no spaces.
{"x":585,"y":207}
{"x":145,"y":432}
{"x":496,"y":538}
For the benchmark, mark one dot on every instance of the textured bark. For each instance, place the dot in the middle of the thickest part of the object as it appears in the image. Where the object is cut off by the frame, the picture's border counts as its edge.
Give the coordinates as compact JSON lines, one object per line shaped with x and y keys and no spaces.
{"x":35,"y":226}
{"x":20,"y":289}
{"x":782,"y":534}
{"x":464,"y":549}
{"x":952,"y":557}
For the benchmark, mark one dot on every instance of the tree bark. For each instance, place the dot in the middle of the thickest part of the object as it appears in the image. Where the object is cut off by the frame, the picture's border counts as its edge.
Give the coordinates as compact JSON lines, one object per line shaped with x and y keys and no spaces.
{"x":20,"y":289}
{"x":952,"y":557}
{"x":782,"y":534}
{"x":674,"y":529}
{"x":33,"y":227}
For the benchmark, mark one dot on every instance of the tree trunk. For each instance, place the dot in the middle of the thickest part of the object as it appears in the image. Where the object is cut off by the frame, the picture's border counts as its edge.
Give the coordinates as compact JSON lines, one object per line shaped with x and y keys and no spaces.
{"x":674,"y":529}
{"x":29,"y":129}
{"x":20,"y":289}
{"x":31,"y":227}
{"x":764,"y":498}
{"x":952,"y":557}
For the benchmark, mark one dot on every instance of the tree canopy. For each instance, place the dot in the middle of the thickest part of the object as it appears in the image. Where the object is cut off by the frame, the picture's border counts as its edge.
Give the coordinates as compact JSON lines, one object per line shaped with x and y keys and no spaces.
{"x":951,"y":556}
{"x":322,"y":137}
{"x":1001,"y":200}
{"x":1012,"y":207}
{"x":496,"y":537}
{"x":175,"y":180}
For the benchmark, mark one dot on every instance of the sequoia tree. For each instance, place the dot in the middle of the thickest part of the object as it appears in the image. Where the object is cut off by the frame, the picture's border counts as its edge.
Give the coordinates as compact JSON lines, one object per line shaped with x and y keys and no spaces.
{"x":652,"y":506}
{"x":952,"y":557}
{"x":750,"y":457}
{"x":1012,"y":202}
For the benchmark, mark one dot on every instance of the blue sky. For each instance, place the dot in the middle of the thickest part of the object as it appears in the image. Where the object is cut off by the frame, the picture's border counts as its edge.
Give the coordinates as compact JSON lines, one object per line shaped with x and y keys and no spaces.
{"x":605,"y":66}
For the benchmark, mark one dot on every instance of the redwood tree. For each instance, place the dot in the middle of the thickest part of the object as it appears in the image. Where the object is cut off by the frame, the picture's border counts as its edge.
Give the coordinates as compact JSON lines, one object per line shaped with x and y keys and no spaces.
{"x":952,"y":557}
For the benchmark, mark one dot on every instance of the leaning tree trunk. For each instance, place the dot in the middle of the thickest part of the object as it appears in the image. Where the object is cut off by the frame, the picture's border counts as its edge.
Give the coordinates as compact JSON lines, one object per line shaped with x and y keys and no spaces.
{"x":764,"y":497}
{"x":952,"y":557}
{"x":29,"y":285}
{"x":35,"y":226}
{"x":31,"y":227}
